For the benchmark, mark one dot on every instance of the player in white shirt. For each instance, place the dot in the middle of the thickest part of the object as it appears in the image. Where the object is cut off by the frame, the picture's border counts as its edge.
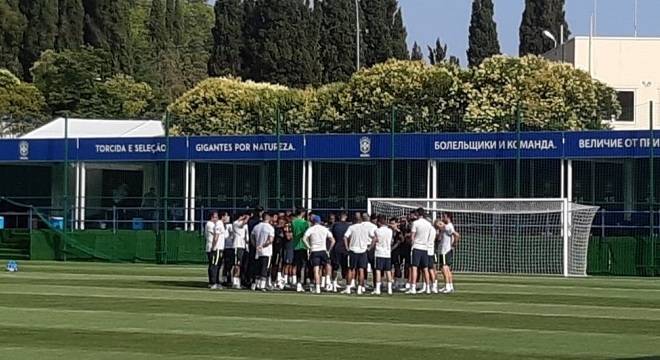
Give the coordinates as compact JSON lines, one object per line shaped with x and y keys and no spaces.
{"x":383,"y":255}
{"x":358,"y":238}
{"x":235,"y":248}
{"x":433,"y":286}
{"x":419,"y":233}
{"x":213,"y":244}
{"x":448,"y":242}
{"x":264,"y":235}
{"x":316,"y":239}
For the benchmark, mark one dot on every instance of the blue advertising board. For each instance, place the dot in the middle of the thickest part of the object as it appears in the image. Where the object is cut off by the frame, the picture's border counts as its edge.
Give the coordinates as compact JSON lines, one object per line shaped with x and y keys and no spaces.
{"x":533,"y":145}
{"x":132,"y":149}
{"x":245,"y":147}
{"x":496,"y":145}
{"x":600,"y":144}
{"x":36,"y":150}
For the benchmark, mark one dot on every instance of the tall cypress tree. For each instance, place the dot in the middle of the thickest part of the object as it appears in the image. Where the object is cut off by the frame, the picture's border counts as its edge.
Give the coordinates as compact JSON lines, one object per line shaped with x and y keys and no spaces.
{"x":438,"y":54}
{"x":169,"y":16}
{"x":338,"y":40}
{"x":227,"y":38}
{"x":107,"y":26}
{"x":416,"y":54}
{"x":375,"y":31}
{"x":70,"y":25}
{"x":40,"y":32}
{"x":12,"y":27}
{"x":177,"y":23}
{"x":483,"y":41}
{"x":156,"y":26}
{"x":282,"y":43}
{"x":398,"y":33}
{"x":540,"y":15}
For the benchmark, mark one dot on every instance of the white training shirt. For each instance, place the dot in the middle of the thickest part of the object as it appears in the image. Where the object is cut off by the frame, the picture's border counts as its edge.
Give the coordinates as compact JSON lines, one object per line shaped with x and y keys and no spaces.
{"x":317,"y":236}
{"x":261,"y":233}
{"x":445,"y":244}
{"x":211,"y":230}
{"x":359,"y":237}
{"x":240,"y":234}
{"x":421,"y":227}
{"x":384,"y":244}
{"x":431,"y":241}
{"x":229,"y":236}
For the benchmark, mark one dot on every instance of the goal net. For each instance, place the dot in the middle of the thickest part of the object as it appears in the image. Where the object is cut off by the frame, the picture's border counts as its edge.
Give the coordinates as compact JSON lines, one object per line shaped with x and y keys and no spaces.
{"x":510,"y":236}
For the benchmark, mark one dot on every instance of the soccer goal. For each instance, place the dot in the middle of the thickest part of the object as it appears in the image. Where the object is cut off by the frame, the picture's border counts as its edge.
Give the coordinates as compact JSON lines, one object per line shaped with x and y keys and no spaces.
{"x":509,"y":236}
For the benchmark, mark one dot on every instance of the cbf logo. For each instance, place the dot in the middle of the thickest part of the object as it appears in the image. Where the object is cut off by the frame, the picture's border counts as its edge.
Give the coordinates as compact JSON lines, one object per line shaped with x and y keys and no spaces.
{"x":365,"y":147}
{"x":23,"y":150}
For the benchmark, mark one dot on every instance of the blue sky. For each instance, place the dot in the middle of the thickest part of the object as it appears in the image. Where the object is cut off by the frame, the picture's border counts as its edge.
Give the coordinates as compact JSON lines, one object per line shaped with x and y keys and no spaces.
{"x":449,"y":20}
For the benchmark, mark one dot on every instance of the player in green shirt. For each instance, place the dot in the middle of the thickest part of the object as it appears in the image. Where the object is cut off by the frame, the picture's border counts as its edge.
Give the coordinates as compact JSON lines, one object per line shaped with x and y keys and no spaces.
{"x":299,"y":225}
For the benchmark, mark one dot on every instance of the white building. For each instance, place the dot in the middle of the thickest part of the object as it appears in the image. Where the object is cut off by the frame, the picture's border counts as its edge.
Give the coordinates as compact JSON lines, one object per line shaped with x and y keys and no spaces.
{"x":630,"y":65}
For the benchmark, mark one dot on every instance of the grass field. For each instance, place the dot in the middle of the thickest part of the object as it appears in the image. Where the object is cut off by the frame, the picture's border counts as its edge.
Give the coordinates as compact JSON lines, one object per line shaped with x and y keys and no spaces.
{"x":106,"y":311}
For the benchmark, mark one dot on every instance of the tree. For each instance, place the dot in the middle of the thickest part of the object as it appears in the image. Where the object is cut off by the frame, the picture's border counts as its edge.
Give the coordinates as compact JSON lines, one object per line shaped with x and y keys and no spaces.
{"x":107,"y":26}
{"x":118,"y":97}
{"x":227,"y":38}
{"x":416,"y":54}
{"x":40,"y":32}
{"x":483,"y":41}
{"x":281,"y":43}
{"x":398,"y":33}
{"x":375,"y":31}
{"x":69,"y":78}
{"x":177,"y":23}
{"x":552,"y":96}
{"x":70,"y":25}
{"x":540,"y":15}
{"x":12,"y":26}
{"x":438,"y":54}
{"x":21,"y":105}
{"x":157,"y":28}
{"x":338,"y":40}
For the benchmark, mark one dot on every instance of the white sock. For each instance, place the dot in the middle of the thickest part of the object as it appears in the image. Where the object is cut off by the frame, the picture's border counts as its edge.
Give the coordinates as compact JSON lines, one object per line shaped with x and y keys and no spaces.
{"x":389,"y":286}
{"x":279,"y":276}
{"x":294,"y":279}
{"x":328,"y":281}
{"x":323,"y":281}
{"x":334,"y":283}
{"x":407,"y":285}
{"x":450,"y":286}
{"x":377,"y":287}
{"x":285,"y":279}
{"x":318,"y":288}
{"x":352,"y":283}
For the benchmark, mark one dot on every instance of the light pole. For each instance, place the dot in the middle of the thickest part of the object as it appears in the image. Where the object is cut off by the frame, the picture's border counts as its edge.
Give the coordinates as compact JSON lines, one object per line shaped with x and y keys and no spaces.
{"x":549,"y":35}
{"x":357,"y":34}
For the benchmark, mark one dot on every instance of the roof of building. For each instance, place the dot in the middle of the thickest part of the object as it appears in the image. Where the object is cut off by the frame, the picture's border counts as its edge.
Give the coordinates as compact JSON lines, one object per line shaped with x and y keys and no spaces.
{"x":97,"y":128}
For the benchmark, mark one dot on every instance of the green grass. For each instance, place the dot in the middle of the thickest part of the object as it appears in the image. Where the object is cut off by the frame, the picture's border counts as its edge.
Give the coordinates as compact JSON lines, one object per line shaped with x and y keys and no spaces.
{"x":107,"y":311}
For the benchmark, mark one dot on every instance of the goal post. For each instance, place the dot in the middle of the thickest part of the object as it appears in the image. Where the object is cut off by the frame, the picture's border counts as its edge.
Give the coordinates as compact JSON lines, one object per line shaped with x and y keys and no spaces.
{"x":545,"y":236}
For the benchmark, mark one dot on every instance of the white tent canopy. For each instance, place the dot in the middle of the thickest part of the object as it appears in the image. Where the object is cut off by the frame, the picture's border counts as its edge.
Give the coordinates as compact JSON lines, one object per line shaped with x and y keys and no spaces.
{"x":97,"y":128}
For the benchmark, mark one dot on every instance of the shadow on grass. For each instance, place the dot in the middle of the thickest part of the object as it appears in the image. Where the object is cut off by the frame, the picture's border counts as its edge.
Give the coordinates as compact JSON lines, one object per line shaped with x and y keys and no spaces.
{"x":180,"y":284}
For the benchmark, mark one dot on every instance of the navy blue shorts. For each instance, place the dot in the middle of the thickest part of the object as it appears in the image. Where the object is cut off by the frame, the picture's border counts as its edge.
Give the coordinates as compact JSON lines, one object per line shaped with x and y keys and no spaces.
{"x":446,"y":259}
{"x":287,"y":256}
{"x":263,"y":264}
{"x":357,"y":261}
{"x":339,"y":259}
{"x":431,"y":262}
{"x":318,"y":258}
{"x":419,"y":258}
{"x":300,"y":258}
{"x":383,"y":264}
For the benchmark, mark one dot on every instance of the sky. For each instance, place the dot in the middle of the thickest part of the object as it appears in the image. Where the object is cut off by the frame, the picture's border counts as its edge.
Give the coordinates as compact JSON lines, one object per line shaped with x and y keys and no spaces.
{"x":449,"y":20}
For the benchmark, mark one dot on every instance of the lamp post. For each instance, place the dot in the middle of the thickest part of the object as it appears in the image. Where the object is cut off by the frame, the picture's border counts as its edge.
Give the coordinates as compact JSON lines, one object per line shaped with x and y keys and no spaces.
{"x":357,"y":34}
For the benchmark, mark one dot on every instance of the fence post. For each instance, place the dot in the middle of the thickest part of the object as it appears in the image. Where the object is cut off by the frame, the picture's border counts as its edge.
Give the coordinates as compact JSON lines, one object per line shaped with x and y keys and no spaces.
{"x":166,"y":185}
{"x":278,"y":180}
{"x":65,"y":196}
{"x":392,"y":132}
{"x":518,"y":120}
{"x":652,"y":191}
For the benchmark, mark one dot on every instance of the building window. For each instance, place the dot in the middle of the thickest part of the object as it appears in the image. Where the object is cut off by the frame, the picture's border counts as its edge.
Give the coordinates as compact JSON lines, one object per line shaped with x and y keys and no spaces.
{"x":627,"y":101}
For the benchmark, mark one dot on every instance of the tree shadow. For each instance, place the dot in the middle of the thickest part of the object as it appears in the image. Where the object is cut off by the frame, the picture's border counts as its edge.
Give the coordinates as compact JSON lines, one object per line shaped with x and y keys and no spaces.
{"x":180,"y":284}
